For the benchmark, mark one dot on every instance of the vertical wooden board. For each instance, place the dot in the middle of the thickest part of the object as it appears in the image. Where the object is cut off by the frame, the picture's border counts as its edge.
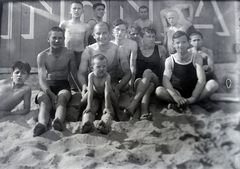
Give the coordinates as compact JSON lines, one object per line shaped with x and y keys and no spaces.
{"x":114,"y":10}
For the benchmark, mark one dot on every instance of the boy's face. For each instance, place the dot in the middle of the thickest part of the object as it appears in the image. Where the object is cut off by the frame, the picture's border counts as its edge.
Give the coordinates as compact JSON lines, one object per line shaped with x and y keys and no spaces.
{"x":196,"y":41}
{"x":134,"y":35}
{"x":149,"y":39}
{"x":181,"y":44}
{"x":143,"y":13}
{"x":99,"y":67}
{"x":76,"y":10}
{"x":99,"y":11}
{"x":56,"y":39}
{"x":19,"y":76}
{"x":102,"y":34}
{"x":172,"y":18}
{"x":119,"y":32}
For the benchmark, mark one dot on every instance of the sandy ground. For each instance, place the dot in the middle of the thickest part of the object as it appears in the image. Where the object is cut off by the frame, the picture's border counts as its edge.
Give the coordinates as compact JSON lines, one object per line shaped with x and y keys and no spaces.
{"x":202,"y":140}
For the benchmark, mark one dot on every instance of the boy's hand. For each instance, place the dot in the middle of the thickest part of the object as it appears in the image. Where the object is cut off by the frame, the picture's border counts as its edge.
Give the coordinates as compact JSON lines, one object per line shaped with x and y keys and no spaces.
{"x":191,"y":100}
{"x":84,"y":90}
{"x":181,"y":101}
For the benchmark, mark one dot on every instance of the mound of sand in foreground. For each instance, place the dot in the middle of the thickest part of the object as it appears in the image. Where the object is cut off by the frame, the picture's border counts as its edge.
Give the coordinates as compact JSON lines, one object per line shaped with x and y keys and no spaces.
{"x":202,"y":140}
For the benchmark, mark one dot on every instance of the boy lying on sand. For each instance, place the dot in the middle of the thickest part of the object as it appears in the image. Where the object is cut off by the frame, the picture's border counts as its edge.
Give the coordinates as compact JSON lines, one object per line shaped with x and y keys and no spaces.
{"x":13,"y":91}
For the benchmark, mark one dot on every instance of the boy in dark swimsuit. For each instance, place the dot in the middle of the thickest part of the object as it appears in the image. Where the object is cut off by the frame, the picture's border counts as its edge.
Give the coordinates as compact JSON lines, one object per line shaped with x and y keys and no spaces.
{"x":184,"y":80}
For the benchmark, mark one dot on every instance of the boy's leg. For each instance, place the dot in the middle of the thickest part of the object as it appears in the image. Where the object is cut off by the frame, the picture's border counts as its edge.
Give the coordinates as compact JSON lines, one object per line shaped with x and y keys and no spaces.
{"x":44,"y":113}
{"x":141,"y":89}
{"x":82,"y":104}
{"x":210,"y":87}
{"x":162,"y":93}
{"x":62,"y":100}
{"x":89,"y":116}
{"x":145,"y":103}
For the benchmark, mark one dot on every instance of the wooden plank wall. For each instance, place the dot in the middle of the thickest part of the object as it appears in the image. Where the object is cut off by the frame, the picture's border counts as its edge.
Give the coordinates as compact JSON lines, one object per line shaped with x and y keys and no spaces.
{"x":25,"y":24}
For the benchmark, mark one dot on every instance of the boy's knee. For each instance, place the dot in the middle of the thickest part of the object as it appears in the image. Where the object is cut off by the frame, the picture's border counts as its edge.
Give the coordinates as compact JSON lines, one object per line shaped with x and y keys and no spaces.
{"x":160,"y":91}
{"x":147,"y":73}
{"x":212,"y":85}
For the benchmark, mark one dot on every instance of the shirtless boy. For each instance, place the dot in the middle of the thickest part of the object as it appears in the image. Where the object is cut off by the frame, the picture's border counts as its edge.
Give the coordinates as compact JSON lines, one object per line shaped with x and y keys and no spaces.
{"x":98,"y":13}
{"x":99,"y":88}
{"x":196,"y":40}
{"x":143,"y":20}
{"x":183,"y":20}
{"x":184,"y":80}
{"x":54,"y":65}
{"x":14,"y":91}
{"x":172,"y":18}
{"x":128,"y":45}
{"x":76,"y":32}
{"x":133,"y":33}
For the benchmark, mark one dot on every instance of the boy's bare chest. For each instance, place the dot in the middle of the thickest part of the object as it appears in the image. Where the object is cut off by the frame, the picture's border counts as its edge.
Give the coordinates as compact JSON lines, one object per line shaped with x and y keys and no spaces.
{"x":56,"y":62}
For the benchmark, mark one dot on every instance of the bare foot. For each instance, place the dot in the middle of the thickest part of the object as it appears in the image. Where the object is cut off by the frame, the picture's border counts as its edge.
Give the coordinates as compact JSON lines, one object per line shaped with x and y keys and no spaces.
{"x":57,"y":125}
{"x":129,"y":111}
{"x":39,"y":129}
{"x":104,"y":125}
{"x":87,"y":121}
{"x":146,"y":117}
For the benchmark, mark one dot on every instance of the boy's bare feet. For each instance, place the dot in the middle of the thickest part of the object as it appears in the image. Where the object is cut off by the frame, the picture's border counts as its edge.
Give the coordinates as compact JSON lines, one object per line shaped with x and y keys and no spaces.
{"x":104,"y":125}
{"x":57,"y":125}
{"x":87,"y":121}
{"x":129,"y":111}
{"x":147,"y":116}
{"x":39,"y":129}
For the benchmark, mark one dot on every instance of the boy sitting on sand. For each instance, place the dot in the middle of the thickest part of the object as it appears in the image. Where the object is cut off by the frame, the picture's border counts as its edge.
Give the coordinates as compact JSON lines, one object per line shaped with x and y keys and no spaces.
{"x":13,"y":91}
{"x":184,"y":80}
{"x":99,"y":87}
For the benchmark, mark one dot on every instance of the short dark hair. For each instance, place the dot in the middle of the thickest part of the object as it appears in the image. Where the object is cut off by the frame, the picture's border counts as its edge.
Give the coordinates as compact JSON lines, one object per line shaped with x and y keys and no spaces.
{"x":23,"y":66}
{"x":55,"y":29}
{"x":196,"y":33}
{"x":134,"y":27}
{"x":148,"y":30}
{"x":179,"y":34}
{"x":76,"y":2}
{"x":119,"y":22}
{"x":101,"y":24}
{"x":98,"y":4}
{"x":98,"y":57}
{"x":143,"y":7}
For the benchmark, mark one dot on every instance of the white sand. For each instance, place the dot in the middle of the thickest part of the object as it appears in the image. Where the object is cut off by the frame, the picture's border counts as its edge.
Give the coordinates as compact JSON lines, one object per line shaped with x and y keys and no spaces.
{"x":134,"y":144}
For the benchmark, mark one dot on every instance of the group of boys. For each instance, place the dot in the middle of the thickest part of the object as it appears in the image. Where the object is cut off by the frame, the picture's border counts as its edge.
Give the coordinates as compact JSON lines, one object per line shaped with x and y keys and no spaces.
{"x":105,"y":68}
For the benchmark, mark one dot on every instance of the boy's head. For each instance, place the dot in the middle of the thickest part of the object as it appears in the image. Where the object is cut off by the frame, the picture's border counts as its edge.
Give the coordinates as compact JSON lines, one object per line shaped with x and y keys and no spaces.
{"x":98,"y":9}
{"x":172,"y":17}
{"x":56,"y":37}
{"x":101,"y":33}
{"x":133,"y":32}
{"x":99,"y":65}
{"x":180,"y":41}
{"x":20,"y":72}
{"x":148,"y":35}
{"x":119,"y":28}
{"x":196,"y":39}
{"x":143,"y":12}
{"x":76,"y":9}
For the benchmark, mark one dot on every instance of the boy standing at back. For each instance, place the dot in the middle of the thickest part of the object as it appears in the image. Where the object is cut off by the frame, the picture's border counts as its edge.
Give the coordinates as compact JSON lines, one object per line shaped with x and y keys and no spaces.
{"x":172,"y":18}
{"x":196,"y":40}
{"x":76,"y":32}
{"x":143,"y":21}
{"x":13,"y":91}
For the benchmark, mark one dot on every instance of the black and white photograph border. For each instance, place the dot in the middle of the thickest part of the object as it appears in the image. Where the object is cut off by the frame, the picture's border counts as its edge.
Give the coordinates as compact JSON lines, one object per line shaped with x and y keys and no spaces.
{"x":201,"y":139}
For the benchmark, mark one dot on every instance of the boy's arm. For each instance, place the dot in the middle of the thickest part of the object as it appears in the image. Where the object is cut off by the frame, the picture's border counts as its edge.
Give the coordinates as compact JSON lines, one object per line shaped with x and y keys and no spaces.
{"x":83,"y":70}
{"x":107,"y":91}
{"x":87,"y":34}
{"x":91,"y":23}
{"x":62,"y":25}
{"x":125,"y":67}
{"x":163,"y":53}
{"x":42,"y":78}
{"x":163,"y":19}
{"x":201,"y":80}
{"x":133,"y":65}
{"x":210,"y":60}
{"x":190,"y":8}
{"x":90,"y":91}
{"x":26,"y":101}
{"x":167,"y":84}
{"x":73,"y":69}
